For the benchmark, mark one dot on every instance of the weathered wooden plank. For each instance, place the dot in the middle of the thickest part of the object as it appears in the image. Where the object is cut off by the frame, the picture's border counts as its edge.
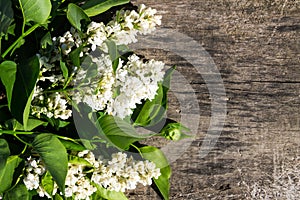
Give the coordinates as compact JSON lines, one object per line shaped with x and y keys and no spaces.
{"x":256,"y":47}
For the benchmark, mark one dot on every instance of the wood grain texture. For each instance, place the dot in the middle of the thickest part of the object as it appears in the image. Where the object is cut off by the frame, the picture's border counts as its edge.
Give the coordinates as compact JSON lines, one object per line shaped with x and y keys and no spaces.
{"x":256,"y":47}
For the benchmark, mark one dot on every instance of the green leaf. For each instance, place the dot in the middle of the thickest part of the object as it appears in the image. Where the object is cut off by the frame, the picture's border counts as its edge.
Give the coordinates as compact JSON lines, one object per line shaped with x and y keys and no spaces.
{"x":75,"y":14}
{"x":79,"y":161}
{"x":152,"y":112}
{"x":113,"y":53}
{"x":6,"y":16}
{"x":47,"y":183}
{"x":18,"y":192}
{"x":64,"y":70}
{"x":6,"y":173}
{"x":36,"y":11}
{"x":58,"y":197}
{"x":119,"y":132}
{"x":46,"y":40}
{"x":70,"y":145}
{"x":8,"y":70}
{"x":74,"y":55}
{"x":27,"y":74}
{"x":96,"y":7}
{"x":54,"y":155}
{"x":155,"y":155}
{"x":166,"y":85}
{"x":107,"y":194}
{"x":4,"y":152}
{"x":31,"y":124}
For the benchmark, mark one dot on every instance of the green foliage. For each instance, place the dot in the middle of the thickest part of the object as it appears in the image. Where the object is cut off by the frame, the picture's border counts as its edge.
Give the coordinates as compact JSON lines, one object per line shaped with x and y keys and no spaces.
{"x":96,"y":7}
{"x":36,"y":11}
{"x":54,"y":155}
{"x":8,"y":70}
{"x":7,"y":172}
{"x":56,"y":141}
{"x":47,"y":182}
{"x":18,"y":192}
{"x":75,"y":15}
{"x":103,"y":193}
{"x":119,"y":132}
{"x":26,"y":77}
{"x":4,"y":153}
{"x":152,"y":112}
{"x":155,"y":155}
{"x":6,"y":16}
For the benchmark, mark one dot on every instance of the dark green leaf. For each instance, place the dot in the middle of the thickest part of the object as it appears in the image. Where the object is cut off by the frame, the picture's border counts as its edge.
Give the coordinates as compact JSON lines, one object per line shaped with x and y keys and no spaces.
{"x":36,"y":11}
{"x":6,"y":16}
{"x":75,"y":14}
{"x":155,"y":155}
{"x":6,"y":173}
{"x":64,"y":70}
{"x":74,"y":55}
{"x":103,"y":193}
{"x":19,"y":192}
{"x":4,"y":153}
{"x":119,"y":132}
{"x":27,"y":74}
{"x":96,"y":7}
{"x":54,"y":155}
{"x":8,"y":70}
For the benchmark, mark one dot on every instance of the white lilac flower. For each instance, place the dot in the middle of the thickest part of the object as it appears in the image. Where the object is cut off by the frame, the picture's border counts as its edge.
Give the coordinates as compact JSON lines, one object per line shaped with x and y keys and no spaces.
{"x":122,"y":173}
{"x":77,"y":183}
{"x":55,"y":105}
{"x":34,"y":169}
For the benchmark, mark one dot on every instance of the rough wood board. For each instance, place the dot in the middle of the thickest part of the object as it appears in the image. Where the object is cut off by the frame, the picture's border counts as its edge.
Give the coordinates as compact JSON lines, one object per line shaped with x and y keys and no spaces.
{"x":256,"y":47}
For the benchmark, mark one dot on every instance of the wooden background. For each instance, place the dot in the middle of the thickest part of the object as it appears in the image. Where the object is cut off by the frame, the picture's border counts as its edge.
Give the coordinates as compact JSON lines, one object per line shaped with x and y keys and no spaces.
{"x":256,"y":48}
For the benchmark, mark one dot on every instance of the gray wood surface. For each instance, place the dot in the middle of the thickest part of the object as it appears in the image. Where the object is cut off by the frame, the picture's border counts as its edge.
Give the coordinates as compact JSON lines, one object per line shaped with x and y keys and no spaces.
{"x":256,"y":48}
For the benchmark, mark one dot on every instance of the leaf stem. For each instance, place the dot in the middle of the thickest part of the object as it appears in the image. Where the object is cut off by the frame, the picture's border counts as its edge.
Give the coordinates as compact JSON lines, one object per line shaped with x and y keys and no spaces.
{"x":137,"y":150}
{"x":30,"y":30}
{"x":26,"y":143}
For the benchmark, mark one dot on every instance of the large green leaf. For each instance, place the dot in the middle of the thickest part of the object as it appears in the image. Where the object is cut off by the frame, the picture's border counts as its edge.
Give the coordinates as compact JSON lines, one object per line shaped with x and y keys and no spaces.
{"x":8,"y":70}
{"x":27,"y":74}
{"x":7,"y":172}
{"x":119,"y":132}
{"x":36,"y":11}
{"x":96,"y":7}
{"x":54,"y":155}
{"x":75,"y":14}
{"x":6,"y":16}
{"x":103,"y":193}
{"x":4,"y":153}
{"x":19,"y":192}
{"x":155,"y":155}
